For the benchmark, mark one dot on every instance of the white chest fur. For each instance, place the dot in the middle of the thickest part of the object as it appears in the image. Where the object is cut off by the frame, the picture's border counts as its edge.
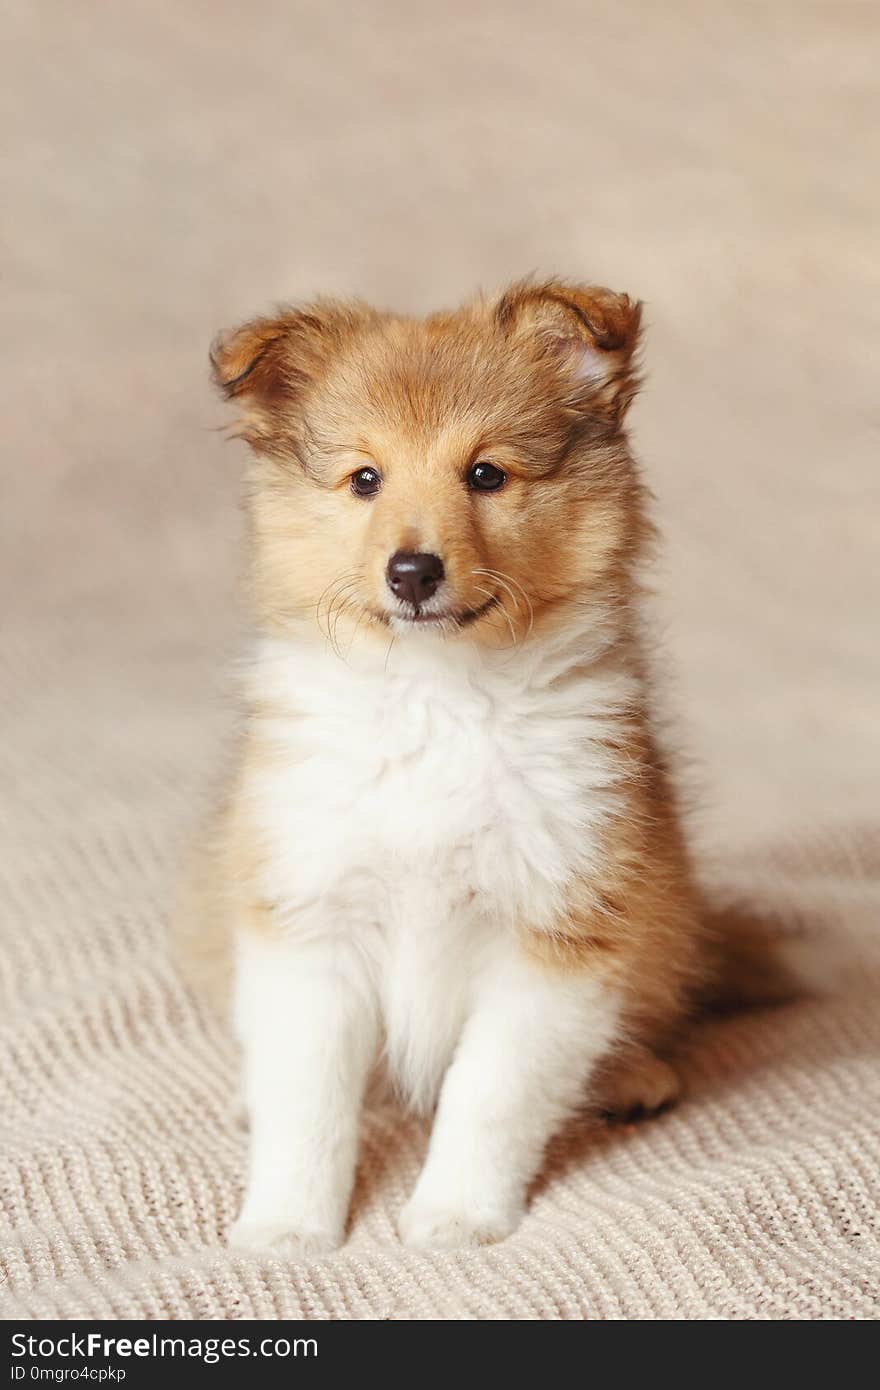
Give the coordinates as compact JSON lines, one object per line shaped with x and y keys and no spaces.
{"x":425,"y":807}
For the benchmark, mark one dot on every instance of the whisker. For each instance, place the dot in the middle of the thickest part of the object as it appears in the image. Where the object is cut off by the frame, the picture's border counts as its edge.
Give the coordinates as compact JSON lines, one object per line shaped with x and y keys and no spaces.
{"x":493,"y":574}
{"x":337,"y":589}
{"x":343,"y":607}
{"x":503,"y":610}
{"x":363,"y":614}
{"x":337,"y":586}
{"x":505,"y":579}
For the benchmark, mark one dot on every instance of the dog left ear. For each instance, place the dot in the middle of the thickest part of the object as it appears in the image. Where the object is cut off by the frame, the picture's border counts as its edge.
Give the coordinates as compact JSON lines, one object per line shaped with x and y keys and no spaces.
{"x":591,"y":332}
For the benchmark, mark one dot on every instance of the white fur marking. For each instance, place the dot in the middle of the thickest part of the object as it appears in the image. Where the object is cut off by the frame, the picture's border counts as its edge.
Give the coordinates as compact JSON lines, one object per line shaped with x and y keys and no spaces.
{"x":416,"y":817}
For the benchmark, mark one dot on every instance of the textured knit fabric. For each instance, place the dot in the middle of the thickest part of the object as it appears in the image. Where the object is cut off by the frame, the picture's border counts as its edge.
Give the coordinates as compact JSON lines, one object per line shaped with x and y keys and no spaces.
{"x":171,"y":168}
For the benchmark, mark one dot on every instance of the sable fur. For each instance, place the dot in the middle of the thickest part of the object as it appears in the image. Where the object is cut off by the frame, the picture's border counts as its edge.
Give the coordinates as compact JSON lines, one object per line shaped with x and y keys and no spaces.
{"x":537,"y":382}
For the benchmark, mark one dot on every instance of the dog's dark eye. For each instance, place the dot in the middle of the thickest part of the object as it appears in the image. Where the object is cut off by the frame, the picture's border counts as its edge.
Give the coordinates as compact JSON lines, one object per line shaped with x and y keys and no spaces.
{"x":365,"y":482}
{"x":485,"y":477}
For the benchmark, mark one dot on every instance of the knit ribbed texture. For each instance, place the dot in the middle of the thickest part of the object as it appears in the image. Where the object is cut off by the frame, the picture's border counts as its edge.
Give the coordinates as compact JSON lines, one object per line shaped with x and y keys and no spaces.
{"x":123,"y":1156}
{"x":174,"y":167}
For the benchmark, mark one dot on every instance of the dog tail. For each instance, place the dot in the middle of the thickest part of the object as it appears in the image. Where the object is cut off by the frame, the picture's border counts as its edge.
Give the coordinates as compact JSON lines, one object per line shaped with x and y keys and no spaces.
{"x":759,"y":960}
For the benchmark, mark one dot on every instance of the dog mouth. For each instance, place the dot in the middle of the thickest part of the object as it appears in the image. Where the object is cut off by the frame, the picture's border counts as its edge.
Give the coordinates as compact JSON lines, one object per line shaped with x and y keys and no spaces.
{"x":463,"y":617}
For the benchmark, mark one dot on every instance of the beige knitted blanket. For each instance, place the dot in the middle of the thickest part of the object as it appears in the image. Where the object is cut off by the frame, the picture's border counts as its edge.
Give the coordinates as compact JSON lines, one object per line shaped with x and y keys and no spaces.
{"x":168,"y":171}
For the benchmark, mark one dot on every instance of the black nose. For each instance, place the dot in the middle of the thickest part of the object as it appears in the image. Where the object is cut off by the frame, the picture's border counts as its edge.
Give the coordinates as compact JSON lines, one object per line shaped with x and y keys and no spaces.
{"x":414,"y":578}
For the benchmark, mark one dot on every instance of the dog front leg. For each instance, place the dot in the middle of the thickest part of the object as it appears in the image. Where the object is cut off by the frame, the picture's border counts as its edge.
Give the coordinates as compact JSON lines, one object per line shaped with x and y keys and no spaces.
{"x":307,"y":1023}
{"x":526,"y":1052}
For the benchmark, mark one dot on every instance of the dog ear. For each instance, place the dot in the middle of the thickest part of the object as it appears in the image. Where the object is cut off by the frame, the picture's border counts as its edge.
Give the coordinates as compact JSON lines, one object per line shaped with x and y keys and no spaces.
{"x":250,"y":361}
{"x":269,"y":364}
{"x":592,"y":333}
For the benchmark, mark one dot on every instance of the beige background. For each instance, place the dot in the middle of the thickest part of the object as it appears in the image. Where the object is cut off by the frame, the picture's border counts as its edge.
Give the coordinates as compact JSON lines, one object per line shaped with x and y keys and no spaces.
{"x":170,"y":168}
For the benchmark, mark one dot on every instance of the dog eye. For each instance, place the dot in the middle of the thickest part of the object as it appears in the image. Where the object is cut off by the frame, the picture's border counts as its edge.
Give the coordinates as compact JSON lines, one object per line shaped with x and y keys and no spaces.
{"x":485,"y":477}
{"x":365,"y":482}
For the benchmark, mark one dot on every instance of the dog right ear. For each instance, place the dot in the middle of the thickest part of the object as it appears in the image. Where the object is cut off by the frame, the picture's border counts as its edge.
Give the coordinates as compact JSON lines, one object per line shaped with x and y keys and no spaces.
{"x":269,"y":365}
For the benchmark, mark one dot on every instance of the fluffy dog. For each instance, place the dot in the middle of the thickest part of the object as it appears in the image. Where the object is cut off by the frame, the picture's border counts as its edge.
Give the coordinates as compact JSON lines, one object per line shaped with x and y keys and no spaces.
{"x":450,"y":845}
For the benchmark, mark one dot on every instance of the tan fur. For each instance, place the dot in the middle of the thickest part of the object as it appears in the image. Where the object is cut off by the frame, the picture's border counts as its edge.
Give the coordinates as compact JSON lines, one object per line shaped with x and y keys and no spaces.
{"x":634,"y":1083}
{"x":332,"y":388}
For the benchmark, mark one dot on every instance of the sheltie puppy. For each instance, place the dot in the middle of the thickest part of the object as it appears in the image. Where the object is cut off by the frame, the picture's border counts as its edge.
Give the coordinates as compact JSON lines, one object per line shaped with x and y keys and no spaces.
{"x":450,"y":847}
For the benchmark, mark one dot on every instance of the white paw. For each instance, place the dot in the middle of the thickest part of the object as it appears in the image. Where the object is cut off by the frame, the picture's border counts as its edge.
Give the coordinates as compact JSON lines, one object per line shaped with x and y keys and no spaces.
{"x":449,"y":1228}
{"x":281,"y":1238}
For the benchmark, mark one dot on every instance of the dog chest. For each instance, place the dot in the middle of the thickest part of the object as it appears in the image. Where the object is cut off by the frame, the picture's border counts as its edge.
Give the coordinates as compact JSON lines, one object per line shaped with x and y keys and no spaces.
{"x":371,"y":780}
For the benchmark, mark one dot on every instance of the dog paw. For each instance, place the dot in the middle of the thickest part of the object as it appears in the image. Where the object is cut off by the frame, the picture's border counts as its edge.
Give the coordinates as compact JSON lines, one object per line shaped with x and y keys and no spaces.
{"x":280,"y":1238}
{"x":447,"y":1228}
{"x":643,"y":1085}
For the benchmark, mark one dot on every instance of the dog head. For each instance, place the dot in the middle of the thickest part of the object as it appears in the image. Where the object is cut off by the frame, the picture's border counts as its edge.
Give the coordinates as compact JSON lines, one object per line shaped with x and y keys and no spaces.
{"x":465,"y":474}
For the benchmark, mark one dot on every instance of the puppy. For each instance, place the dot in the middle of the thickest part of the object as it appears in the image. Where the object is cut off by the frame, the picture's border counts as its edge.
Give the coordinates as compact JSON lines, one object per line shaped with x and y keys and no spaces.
{"x":450,"y":845}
